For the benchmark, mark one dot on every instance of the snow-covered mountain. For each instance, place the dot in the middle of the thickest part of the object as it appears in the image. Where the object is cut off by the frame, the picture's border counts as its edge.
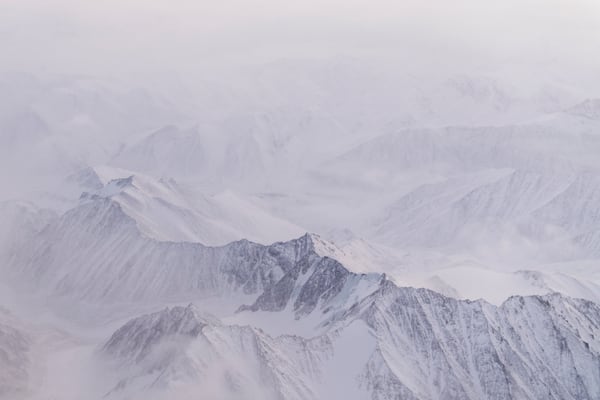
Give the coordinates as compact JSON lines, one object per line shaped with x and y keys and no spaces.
{"x":410,"y":340}
{"x":413,"y":342}
{"x":407,"y":342}
{"x":168,"y":211}
{"x":52,"y":126}
{"x":174,"y":351}
{"x":155,"y":246}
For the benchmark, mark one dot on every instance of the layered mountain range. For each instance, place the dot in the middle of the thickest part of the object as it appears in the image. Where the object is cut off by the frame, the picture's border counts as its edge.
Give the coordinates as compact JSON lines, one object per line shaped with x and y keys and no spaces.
{"x":155,"y":248}
{"x":412,"y":343}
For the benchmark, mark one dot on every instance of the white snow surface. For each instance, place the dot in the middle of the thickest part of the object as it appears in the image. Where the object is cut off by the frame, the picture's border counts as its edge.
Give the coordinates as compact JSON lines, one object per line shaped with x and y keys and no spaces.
{"x":156,"y":248}
{"x":167,"y":211}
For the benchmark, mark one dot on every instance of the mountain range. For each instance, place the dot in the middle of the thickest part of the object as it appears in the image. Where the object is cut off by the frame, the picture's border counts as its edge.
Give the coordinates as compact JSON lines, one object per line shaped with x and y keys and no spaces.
{"x":299,"y":230}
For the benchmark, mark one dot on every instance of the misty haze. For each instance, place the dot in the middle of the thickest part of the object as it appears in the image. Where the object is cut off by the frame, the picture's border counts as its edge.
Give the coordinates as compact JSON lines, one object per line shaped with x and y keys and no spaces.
{"x":313,"y":200}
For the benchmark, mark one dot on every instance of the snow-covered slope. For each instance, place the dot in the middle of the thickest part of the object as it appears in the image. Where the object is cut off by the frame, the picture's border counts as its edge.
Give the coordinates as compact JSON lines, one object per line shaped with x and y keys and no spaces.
{"x":20,"y":222}
{"x":435,"y":347}
{"x":524,"y":209}
{"x":411,"y":342}
{"x":15,"y":358}
{"x":466,"y":184}
{"x":97,"y":253}
{"x":178,"y":351}
{"x":406,"y":342}
{"x":167,"y":211}
{"x":51,"y":126}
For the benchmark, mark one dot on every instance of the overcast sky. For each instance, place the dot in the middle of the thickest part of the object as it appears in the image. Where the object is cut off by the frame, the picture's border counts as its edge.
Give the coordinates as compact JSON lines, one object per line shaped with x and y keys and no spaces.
{"x":131,"y":36}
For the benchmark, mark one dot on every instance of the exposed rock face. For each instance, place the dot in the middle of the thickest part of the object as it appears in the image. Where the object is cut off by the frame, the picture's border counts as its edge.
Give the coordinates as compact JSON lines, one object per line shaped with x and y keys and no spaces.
{"x":95,"y":252}
{"x":436,"y":347}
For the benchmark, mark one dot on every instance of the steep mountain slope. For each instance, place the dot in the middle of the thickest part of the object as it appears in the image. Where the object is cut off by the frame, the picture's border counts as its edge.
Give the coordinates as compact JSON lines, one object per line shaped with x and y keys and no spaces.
{"x":537,"y":208}
{"x":116,"y":261}
{"x":412,"y":343}
{"x":444,"y":184}
{"x":419,"y":345}
{"x":20,"y":222}
{"x":15,"y":358}
{"x":110,"y":235}
{"x":96,"y":253}
{"x":177,"y":351}
{"x":168,"y":211}
{"x":434,"y":347}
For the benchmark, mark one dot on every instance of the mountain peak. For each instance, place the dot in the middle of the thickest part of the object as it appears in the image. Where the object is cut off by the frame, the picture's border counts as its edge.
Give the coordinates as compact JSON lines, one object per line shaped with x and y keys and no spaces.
{"x":136,"y":338}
